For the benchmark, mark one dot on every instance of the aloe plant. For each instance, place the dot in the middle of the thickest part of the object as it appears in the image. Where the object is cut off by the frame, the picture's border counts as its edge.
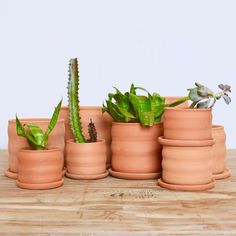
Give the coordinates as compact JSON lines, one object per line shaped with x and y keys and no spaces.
{"x":34,"y":134}
{"x":74,"y":108}
{"x":130,"y":107}
{"x":202,"y":97}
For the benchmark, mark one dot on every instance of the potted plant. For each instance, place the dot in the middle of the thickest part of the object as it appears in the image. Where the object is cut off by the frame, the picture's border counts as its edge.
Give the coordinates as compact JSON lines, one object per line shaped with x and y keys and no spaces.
{"x":136,"y":153}
{"x":39,"y":167}
{"x":187,"y":143}
{"x":85,"y":158}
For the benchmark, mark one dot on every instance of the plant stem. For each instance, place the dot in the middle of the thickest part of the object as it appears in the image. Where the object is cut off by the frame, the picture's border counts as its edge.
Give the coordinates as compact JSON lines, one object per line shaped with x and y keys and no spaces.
{"x":178,"y":102}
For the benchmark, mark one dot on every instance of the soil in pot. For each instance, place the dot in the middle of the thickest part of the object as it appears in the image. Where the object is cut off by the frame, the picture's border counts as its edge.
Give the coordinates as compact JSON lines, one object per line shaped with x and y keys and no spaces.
{"x":187,"y":124}
{"x":86,"y":160}
{"x":101,"y":121}
{"x":15,"y":142}
{"x":40,"y":169}
{"x":136,"y":152}
{"x":220,"y":171}
{"x":187,"y":165}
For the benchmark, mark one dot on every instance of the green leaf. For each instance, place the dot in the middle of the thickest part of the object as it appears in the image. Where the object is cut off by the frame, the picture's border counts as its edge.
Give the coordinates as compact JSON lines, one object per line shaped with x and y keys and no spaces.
{"x":37,"y":133}
{"x":132,"y":89}
{"x":146,"y":118}
{"x":114,"y":111}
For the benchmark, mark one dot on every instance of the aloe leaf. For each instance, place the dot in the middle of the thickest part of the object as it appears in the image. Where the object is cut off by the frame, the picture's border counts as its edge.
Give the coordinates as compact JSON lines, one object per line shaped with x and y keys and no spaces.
{"x":146,"y":118}
{"x":37,"y":133}
{"x":157,"y":104}
{"x":114,"y":111}
{"x":132,"y":89}
{"x":53,"y":121}
{"x":127,"y":115}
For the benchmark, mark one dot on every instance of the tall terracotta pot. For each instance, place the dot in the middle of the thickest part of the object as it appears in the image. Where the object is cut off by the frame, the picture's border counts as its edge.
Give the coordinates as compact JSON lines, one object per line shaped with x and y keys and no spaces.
{"x":187,"y":124}
{"x":86,"y":160}
{"x":15,"y":142}
{"x":175,"y":98}
{"x":187,"y":165}
{"x":220,"y":170}
{"x":101,"y":121}
{"x":40,"y":169}
{"x":136,"y":153}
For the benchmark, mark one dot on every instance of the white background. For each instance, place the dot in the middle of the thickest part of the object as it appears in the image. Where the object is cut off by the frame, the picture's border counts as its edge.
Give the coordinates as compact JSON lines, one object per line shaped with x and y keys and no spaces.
{"x":163,"y":45}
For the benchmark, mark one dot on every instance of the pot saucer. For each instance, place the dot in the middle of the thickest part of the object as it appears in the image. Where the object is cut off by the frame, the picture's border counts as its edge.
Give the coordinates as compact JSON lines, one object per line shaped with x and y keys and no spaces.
{"x":87,"y":177}
{"x":186,"y":187}
{"x":134,"y":176}
{"x":40,"y":186}
{"x":225,"y":174}
{"x":11,"y":174}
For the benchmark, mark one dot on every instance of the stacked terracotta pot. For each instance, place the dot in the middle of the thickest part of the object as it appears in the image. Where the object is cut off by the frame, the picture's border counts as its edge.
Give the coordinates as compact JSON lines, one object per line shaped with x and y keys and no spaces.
{"x":187,"y":150}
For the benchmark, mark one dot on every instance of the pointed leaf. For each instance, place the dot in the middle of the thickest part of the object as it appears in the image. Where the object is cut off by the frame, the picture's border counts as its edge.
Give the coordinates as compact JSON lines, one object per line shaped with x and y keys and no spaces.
{"x":37,"y":133}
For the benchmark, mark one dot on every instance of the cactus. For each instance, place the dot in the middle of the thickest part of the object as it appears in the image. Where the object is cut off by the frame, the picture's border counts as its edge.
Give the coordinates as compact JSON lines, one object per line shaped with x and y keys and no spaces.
{"x":92,"y":132}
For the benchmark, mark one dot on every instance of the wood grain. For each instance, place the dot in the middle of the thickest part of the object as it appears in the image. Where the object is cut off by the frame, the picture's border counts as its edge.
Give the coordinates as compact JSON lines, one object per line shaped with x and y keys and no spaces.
{"x":117,"y":207}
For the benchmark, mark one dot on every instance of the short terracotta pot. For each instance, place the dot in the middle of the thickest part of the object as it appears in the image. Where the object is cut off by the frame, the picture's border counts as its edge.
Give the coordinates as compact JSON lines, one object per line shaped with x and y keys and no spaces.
{"x":187,"y":165}
{"x":135,"y":150}
{"x":187,"y":124}
{"x":102,"y":123}
{"x":15,"y":142}
{"x":220,"y":170}
{"x":86,"y":160}
{"x":39,"y":169}
{"x":175,"y":98}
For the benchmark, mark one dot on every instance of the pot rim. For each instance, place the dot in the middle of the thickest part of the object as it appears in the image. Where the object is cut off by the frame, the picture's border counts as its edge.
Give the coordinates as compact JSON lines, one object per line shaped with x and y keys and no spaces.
{"x":183,"y":109}
{"x":186,"y":143}
{"x":84,"y":108}
{"x":217,"y":127}
{"x":32,"y":120}
{"x":99,"y":141}
{"x":28,"y":149}
{"x":135,"y":123}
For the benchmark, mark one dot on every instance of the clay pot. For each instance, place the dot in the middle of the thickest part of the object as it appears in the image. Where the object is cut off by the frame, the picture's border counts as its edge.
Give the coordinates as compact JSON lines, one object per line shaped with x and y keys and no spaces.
{"x":15,"y":142}
{"x":39,"y":169}
{"x":187,"y":165}
{"x":175,"y":98}
{"x":187,"y":124}
{"x":220,"y":171}
{"x":101,"y":121}
{"x":135,"y":150}
{"x":86,"y":160}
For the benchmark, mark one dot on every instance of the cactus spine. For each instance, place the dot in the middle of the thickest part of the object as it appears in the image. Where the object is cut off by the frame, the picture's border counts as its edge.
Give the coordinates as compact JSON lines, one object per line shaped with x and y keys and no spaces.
{"x":73,"y":88}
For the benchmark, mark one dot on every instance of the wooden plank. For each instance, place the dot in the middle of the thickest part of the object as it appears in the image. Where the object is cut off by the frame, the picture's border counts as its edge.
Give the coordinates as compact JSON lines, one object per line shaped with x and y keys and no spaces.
{"x":114,"y":207}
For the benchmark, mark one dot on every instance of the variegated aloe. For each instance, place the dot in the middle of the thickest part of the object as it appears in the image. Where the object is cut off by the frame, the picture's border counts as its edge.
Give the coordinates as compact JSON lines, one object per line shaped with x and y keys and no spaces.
{"x":34,"y":134}
{"x":74,"y":108}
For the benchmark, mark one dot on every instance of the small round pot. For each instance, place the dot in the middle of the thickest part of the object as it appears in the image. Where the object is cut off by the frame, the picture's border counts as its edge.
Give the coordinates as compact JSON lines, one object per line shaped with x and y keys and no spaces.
{"x":187,"y":124}
{"x":15,"y":142}
{"x":39,"y":169}
{"x":135,"y":149}
{"x":175,"y":98}
{"x":102,"y":123}
{"x":86,"y":160}
{"x":220,"y":171}
{"x":187,"y":165}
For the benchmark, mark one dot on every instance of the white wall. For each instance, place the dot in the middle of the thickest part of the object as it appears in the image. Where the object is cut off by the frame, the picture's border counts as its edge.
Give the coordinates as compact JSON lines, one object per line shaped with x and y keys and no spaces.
{"x":163,"y":45}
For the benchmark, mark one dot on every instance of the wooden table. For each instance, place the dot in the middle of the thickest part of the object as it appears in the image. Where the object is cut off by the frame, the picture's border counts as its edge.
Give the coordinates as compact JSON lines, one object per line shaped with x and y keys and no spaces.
{"x":114,"y":207}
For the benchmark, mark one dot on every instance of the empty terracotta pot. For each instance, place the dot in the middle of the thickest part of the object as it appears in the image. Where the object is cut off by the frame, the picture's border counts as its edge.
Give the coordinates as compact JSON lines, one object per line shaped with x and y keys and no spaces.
{"x":15,"y":142}
{"x":187,"y":124}
{"x":220,"y":171}
{"x":187,"y":165}
{"x":86,"y":160}
{"x":101,"y":121}
{"x":39,"y":169}
{"x":135,"y":148}
{"x":175,"y":98}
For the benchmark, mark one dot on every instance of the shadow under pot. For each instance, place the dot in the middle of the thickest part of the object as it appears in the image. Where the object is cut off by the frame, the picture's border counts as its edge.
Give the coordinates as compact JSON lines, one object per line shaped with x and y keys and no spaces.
{"x":86,"y":160}
{"x":220,"y":170}
{"x":39,"y":169}
{"x":136,"y":152}
{"x":187,"y":124}
{"x":101,"y":121}
{"x":15,"y":142}
{"x":187,"y":165}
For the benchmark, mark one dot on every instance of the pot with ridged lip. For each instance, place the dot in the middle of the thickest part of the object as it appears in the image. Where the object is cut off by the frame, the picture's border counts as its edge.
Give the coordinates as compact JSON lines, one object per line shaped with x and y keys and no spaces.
{"x":39,"y":169}
{"x":187,"y":124}
{"x":187,"y":164}
{"x":86,"y":160}
{"x":15,"y":142}
{"x":136,"y":153}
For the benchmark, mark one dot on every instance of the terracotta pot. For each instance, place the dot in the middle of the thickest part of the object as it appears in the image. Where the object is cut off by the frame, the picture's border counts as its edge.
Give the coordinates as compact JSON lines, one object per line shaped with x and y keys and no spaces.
{"x":15,"y":142}
{"x":187,"y":124}
{"x":187,"y":165}
{"x":220,"y":171}
{"x":101,"y":121}
{"x":135,"y":149}
{"x":39,"y":169}
{"x":86,"y":160}
{"x":175,"y":98}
